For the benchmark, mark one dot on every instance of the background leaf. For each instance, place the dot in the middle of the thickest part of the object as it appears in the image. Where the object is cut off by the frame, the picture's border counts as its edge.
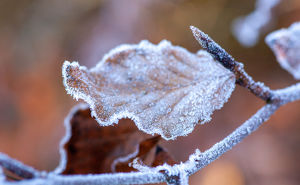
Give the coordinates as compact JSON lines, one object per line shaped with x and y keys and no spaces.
{"x":285,"y":43}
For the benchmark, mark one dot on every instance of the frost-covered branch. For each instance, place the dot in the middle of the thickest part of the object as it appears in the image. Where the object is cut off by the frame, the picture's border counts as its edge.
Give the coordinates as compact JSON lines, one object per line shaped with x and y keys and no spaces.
{"x":201,"y":160}
{"x":17,"y":167}
{"x":288,"y":94}
{"x":242,"y":78}
{"x":109,"y":179}
{"x":231,"y":140}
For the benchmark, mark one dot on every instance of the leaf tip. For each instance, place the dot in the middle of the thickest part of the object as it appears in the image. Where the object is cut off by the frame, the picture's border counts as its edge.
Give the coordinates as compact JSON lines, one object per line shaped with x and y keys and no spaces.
{"x":74,"y":79}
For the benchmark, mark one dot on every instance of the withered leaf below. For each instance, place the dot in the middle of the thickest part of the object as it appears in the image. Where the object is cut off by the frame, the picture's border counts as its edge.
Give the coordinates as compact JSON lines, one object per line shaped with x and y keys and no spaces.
{"x":142,"y":152}
{"x":89,"y":148}
{"x":161,"y":157}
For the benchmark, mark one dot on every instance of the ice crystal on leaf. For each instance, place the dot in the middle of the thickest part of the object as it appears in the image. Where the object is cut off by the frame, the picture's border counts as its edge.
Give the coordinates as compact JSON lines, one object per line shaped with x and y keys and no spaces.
{"x":165,"y":89}
{"x":285,"y":44}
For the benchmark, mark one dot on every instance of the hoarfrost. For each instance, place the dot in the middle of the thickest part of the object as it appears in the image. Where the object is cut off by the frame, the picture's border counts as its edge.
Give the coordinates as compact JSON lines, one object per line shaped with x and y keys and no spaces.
{"x":124,"y":159}
{"x":165,"y":89}
{"x":19,"y":168}
{"x":184,"y":178}
{"x":285,"y":44}
{"x":170,"y":170}
{"x":2,"y":175}
{"x":247,"y":29}
{"x":137,"y":164}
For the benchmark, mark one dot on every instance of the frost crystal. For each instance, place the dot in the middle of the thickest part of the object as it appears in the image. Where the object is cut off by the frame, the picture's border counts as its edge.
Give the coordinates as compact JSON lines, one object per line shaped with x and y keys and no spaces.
{"x":2,"y":176}
{"x":17,"y":167}
{"x":165,"y":89}
{"x":247,"y":29}
{"x":285,"y":43}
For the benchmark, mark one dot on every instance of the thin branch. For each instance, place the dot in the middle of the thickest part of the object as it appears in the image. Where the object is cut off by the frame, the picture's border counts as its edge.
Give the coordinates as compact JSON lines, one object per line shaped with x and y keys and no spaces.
{"x":17,"y":167}
{"x":288,"y":94}
{"x":201,"y":160}
{"x":2,"y":175}
{"x":242,"y":78}
{"x":118,"y":178}
{"x":109,"y":179}
{"x":230,"y":141}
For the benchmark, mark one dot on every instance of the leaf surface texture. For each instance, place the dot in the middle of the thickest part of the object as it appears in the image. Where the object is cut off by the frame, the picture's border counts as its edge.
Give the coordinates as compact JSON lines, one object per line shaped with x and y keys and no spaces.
{"x":164,"y":89}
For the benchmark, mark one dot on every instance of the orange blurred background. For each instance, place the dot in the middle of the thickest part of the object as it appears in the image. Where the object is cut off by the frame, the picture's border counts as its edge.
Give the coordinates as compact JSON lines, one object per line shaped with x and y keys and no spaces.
{"x":36,"y":36}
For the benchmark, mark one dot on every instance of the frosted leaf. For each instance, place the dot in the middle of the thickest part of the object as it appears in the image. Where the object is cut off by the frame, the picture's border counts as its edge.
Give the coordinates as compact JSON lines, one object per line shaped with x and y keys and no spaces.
{"x":285,"y":44}
{"x":248,"y":28}
{"x":165,"y":89}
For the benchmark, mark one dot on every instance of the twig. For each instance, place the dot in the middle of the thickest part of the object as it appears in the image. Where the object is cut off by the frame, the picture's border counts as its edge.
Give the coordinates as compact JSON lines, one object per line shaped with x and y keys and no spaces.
{"x":242,"y":78}
{"x":283,"y":96}
{"x":109,"y":179}
{"x":233,"y":139}
{"x":288,"y":94}
{"x":17,"y":167}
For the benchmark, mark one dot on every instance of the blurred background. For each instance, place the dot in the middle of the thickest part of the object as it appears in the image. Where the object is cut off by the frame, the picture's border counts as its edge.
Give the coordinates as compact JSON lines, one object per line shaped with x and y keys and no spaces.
{"x":36,"y":36}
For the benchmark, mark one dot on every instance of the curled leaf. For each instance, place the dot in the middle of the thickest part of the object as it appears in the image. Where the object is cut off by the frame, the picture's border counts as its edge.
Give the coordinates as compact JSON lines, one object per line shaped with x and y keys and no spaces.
{"x":142,"y":152}
{"x":162,"y":157}
{"x":165,"y":89}
{"x":90,"y":149}
{"x":285,"y":44}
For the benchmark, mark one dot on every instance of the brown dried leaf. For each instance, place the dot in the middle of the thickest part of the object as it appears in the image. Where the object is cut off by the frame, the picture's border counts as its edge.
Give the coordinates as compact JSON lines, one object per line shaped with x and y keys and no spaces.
{"x":165,"y":89}
{"x":142,"y":152}
{"x":285,"y":44}
{"x":91,"y":149}
{"x":161,"y":157}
